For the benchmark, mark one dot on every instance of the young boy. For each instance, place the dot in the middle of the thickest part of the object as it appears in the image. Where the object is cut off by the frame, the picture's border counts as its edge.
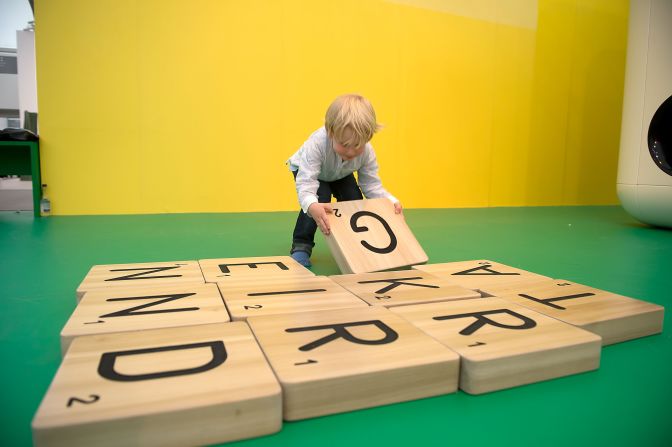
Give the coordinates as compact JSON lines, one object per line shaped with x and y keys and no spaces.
{"x":324,"y":166}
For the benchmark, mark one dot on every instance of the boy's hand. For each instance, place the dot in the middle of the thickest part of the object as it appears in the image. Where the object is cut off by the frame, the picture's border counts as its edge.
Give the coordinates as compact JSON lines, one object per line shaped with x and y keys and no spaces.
{"x":397,"y":208}
{"x":319,"y":211}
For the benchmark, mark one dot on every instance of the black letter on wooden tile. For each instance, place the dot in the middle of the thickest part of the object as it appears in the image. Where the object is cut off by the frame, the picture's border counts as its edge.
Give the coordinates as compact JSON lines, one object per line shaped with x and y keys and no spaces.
{"x":253,"y":265}
{"x":396,"y":283}
{"x":357,"y":229}
{"x":340,"y":331}
{"x":107,"y":360}
{"x":286,"y":292}
{"x":549,"y":301}
{"x":482,"y":320}
{"x":133,"y":310}
{"x":146,"y":271}
{"x":484,"y":267}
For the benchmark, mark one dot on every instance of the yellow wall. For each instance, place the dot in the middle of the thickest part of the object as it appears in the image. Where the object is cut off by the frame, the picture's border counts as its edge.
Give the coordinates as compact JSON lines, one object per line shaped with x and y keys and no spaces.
{"x":159,"y":106}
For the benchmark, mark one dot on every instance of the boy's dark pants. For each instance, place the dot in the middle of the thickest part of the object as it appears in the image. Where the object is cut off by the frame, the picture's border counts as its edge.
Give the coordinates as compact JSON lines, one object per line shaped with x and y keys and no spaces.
{"x":304,"y":230}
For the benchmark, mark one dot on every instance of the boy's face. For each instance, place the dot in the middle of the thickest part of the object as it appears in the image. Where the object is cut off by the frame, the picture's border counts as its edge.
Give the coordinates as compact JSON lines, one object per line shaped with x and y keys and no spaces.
{"x":347,"y":151}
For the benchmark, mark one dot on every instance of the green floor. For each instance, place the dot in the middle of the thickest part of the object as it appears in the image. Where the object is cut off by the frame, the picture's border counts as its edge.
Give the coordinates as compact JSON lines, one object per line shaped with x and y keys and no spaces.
{"x":627,"y":402}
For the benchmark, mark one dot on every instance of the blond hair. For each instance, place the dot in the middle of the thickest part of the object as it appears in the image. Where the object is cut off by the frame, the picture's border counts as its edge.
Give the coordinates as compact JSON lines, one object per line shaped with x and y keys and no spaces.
{"x":352,"y":112}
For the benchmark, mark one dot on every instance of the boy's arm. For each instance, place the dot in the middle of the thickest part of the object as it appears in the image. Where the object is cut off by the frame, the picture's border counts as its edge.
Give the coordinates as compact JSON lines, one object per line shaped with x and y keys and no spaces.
{"x":306,"y":178}
{"x":307,"y":185}
{"x":370,"y":182}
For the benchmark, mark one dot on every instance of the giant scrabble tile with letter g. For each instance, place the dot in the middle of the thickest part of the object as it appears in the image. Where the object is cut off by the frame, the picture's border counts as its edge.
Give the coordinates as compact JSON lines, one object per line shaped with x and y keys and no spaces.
{"x":193,"y":385}
{"x":367,"y":236}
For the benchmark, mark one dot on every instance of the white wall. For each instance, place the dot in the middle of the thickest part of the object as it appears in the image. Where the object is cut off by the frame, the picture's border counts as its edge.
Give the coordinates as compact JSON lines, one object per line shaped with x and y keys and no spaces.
{"x":26,"y":72}
{"x":9,"y":86}
{"x":14,"y":15}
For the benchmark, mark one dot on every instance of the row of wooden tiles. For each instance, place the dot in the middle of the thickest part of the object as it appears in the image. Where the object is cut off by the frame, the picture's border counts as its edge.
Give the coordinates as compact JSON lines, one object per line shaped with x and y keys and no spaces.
{"x":216,"y":384}
{"x":118,"y":309}
{"x":470,"y":274}
{"x":202,"y":271}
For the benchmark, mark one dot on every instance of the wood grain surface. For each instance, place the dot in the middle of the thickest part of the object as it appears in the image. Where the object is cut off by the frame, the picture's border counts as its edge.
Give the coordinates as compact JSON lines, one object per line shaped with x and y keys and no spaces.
{"x":502,"y":344}
{"x":140,"y":275}
{"x":402,"y":288}
{"x":615,"y":318}
{"x":245,"y":298}
{"x":341,"y":360}
{"x":167,"y":387}
{"x":120,"y":309}
{"x":367,"y":236}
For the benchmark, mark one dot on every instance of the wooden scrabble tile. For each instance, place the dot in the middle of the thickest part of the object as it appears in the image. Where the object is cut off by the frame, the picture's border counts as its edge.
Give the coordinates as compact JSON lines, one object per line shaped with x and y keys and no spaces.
{"x":402,"y":288}
{"x":503,"y":345}
{"x":615,"y":318}
{"x":120,"y":309}
{"x":366,"y":236}
{"x":481,"y":273}
{"x":245,"y":298}
{"x":140,"y":275}
{"x":220,"y":270}
{"x":193,"y":385}
{"x":341,"y":360}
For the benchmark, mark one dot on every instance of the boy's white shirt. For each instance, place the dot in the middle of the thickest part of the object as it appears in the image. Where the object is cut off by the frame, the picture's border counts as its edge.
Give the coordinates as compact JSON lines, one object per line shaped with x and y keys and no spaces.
{"x":317,"y":160}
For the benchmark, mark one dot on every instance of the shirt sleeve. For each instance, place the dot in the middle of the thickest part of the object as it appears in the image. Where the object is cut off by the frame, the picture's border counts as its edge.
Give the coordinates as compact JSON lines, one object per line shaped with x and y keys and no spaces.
{"x":310,"y":162}
{"x":369,"y":181}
